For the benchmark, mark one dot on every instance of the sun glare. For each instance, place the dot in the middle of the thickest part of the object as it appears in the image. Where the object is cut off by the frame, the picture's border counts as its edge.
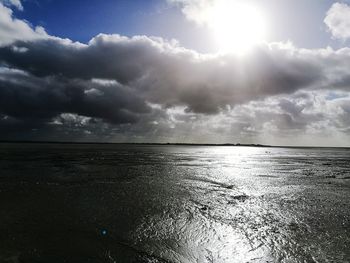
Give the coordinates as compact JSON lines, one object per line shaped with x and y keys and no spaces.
{"x":236,"y":27}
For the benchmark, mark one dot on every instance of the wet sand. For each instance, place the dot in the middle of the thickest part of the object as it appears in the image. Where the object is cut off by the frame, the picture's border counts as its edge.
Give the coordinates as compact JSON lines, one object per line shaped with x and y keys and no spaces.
{"x":115,"y":203}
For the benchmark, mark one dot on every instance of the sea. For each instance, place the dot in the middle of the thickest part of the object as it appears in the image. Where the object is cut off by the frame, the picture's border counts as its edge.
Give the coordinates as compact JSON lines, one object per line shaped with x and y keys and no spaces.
{"x":173,"y":203}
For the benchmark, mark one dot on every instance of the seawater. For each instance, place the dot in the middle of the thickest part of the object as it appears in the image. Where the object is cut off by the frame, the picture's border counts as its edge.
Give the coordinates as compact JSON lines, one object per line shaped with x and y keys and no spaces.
{"x":142,"y":203}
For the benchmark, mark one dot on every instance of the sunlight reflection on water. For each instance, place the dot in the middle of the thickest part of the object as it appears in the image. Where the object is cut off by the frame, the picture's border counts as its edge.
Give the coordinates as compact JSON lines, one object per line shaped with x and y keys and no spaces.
{"x":174,"y":204}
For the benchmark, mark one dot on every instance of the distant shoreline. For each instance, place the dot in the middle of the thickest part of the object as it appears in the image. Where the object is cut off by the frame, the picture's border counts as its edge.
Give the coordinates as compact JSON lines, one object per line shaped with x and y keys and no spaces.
{"x":171,"y":144}
{"x":142,"y":143}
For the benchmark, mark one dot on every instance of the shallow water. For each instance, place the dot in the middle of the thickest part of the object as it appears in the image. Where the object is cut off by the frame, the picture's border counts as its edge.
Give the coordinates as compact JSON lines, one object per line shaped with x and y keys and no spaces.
{"x":129,"y":203}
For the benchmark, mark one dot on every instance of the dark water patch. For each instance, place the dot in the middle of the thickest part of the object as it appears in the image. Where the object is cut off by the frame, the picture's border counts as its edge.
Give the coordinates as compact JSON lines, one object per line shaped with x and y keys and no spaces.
{"x":267,"y":176}
{"x":238,"y":198}
{"x":97,"y":203}
{"x":212,"y":182}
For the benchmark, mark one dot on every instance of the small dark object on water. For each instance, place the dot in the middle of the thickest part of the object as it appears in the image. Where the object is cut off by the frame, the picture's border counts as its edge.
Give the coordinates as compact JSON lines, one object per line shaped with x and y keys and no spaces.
{"x":204,"y":208}
{"x":240,"y":198}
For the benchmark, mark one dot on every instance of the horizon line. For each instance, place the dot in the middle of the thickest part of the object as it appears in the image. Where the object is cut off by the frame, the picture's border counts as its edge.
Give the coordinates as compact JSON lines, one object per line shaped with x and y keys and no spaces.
{"x":170,"y":143}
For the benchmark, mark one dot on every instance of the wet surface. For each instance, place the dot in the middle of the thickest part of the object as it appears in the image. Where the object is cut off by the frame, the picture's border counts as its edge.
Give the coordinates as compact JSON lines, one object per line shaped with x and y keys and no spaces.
{"x":115,"y":203}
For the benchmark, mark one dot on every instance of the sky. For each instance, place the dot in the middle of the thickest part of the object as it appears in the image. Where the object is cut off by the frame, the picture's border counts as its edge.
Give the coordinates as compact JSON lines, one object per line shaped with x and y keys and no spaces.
{"x":195,"y":71}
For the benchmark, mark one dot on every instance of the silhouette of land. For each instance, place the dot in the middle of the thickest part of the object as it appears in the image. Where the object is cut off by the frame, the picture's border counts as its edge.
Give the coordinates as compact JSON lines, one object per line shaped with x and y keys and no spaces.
{"x":144,"y":143}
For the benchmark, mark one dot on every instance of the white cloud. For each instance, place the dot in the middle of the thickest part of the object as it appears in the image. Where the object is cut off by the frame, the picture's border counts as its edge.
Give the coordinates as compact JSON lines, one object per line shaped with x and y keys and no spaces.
{"x":196,"y":10}
{"x":16,"y":3}
{"x":13,"y":29}
{"x":236,"y":25}
{"x":338,"y":20}
{"x":130,"y":84}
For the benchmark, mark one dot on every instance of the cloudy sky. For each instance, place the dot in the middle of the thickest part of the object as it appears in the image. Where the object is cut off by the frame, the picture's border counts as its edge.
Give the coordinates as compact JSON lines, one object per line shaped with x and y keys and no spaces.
{"x":203,"y":71}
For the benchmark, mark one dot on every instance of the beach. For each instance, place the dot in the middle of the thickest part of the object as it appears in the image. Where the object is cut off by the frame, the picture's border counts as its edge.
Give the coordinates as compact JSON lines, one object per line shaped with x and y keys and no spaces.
{"x":154,"y":203}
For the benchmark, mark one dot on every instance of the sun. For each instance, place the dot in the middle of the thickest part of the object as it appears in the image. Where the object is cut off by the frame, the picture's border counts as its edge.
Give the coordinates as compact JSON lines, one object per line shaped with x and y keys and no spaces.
{"x":236,"y":26}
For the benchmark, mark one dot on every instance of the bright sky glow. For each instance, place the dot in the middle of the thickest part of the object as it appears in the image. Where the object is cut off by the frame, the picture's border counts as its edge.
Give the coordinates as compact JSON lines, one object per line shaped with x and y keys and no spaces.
{"x":203,"y":71}
{"x":237,"y":27}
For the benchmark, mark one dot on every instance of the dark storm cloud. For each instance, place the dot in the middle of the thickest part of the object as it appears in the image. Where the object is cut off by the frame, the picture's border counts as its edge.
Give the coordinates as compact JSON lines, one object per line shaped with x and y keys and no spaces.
{"x":118,"y":59}
{"x":163,"y":73}
{"x":150,"y":87}
{"x":24,"y":96}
